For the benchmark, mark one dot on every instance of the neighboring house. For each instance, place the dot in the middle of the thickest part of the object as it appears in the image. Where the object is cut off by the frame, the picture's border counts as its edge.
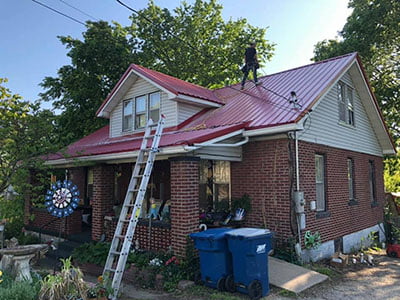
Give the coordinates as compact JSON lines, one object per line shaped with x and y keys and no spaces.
{"x":220,"y":144}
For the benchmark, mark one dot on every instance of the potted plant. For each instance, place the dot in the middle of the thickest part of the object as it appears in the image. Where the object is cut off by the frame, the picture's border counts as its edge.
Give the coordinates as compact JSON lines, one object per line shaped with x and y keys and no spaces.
{"x":312,"y":243}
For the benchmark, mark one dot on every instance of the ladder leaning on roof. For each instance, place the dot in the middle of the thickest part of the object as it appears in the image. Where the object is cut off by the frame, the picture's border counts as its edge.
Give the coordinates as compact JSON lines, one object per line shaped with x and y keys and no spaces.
{"x":128,"y":219}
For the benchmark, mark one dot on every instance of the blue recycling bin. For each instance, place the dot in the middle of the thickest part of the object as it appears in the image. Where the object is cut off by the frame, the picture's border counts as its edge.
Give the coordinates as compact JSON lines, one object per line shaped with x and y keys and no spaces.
{"x":249,"y":248}
{"x":215,"y":258}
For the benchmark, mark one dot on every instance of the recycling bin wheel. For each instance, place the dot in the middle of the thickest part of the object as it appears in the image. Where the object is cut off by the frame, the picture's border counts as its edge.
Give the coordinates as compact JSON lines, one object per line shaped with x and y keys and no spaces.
{"x":221,"y":284}
{"x":255,"y":290}
{"x":230,"y":284}
{"x":392,"y":254}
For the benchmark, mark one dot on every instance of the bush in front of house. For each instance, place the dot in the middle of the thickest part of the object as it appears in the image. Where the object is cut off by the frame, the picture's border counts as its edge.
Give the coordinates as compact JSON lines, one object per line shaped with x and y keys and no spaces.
{"x":146,"y":269}
{"x":18,"y":290}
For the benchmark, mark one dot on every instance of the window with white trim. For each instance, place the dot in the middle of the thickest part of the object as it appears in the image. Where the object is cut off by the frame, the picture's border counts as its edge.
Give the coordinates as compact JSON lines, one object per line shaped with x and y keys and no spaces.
{"x":350,"y":178}
{"x":320,"y":189}
{"x":127,"y":115}
{"x":140,"y":112}
{"x":136,"y":112}
{"x":154,"y":106}
{"x":372,"y":181}
{"x":346,"y":103}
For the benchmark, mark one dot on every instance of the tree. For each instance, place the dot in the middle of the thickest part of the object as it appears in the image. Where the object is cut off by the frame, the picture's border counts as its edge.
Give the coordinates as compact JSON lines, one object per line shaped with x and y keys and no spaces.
{"x":373,"y":30}
{"x":97,"y":63}
{"x":194,"y":43}
{"x":25,"y":134}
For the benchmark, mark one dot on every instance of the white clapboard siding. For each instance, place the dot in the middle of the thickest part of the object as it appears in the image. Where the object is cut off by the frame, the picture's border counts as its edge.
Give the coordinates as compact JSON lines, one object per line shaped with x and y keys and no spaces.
{"x":142,"y":87}
{"x":185,"y":111}
{"x":325,"y":128}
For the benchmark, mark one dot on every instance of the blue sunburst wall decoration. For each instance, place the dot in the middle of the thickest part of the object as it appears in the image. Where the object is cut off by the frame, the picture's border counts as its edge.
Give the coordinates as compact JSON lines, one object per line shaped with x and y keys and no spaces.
{"x":62,"y":199}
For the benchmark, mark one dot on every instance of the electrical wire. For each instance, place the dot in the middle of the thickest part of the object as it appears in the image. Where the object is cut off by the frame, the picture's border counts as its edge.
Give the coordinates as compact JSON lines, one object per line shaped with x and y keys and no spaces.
{"x":77,"y":9}
{"x":59,"y":12}
{"x":189,"y":44}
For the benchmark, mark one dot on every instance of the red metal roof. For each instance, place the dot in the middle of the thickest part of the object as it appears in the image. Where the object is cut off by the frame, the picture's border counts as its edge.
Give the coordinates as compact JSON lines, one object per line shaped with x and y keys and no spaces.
{"x":252,"y":108}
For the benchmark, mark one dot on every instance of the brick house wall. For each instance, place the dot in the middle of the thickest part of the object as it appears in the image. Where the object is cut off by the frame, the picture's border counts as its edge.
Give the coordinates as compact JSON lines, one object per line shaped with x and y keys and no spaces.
{"x":103,"y":195}
{"x":160,"y":236}
{"x":69,"y":225}
{"x":184,"y":200}
{"x":342,"y":218}
{"x":78,"y":177}
{"x":269,"y":163}
{"x":264,"y":174}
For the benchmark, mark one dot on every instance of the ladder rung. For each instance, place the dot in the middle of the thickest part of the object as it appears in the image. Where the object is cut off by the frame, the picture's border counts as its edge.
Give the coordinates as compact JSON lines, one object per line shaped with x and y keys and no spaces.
{"x":155,"y":124}
{"x":120,"y":236}
{"x":115,"y":252}
{"x":124,"y":221}
{"x":150,"y":136}
{"x":137,"y":176}
{"x":110,"y":270}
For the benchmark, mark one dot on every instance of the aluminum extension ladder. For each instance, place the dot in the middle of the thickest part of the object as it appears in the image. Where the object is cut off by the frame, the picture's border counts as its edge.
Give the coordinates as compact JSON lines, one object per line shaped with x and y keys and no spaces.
{"x":128,"y":219}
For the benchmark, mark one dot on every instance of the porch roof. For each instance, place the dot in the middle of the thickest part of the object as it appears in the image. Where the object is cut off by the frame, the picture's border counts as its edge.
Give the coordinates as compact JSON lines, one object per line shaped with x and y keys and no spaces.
{"x":99,"y":142}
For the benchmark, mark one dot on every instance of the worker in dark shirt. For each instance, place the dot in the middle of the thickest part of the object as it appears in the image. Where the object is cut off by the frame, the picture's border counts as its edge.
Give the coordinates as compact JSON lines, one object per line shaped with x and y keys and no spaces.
{"x":251,"y":63}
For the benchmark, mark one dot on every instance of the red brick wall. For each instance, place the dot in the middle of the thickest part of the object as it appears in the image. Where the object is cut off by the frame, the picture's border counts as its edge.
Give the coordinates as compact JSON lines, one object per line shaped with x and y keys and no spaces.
{"x":264,"y":175}
{"x":344,"y":218}
{"x":69,"y":225}
{"x":160,"y":234}
{"x":103,"y":195}
{"x":184,"y":201}
{"x":78,"y":177}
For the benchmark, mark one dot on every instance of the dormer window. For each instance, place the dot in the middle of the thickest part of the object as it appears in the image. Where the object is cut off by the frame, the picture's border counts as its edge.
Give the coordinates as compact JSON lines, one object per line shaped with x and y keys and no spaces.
{"x":346,"y":106}
{"x":140,"y":112}
{"x":137,"y":111}
{"x":127,"y":116}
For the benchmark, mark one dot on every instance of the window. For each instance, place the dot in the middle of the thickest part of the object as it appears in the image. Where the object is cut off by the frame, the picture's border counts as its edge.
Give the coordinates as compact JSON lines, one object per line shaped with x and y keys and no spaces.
{"x":140,"y":112}
{"x":127,"y":122}
{"x":346,"y":105}
{"x":215,"y":177}
{"x":320,"y":182}
{"x":350,"y":179}
{"x":154,"y":107}
{"x":137,"y":112}
{"x":372,"y":183}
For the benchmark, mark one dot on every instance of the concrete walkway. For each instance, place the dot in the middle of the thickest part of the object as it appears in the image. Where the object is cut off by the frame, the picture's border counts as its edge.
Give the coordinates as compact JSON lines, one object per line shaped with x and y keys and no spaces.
{"x":292,"y":277}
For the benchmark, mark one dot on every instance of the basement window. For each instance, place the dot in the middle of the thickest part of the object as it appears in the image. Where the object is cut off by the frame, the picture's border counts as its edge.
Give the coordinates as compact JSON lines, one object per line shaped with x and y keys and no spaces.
{"x":346,"y":103}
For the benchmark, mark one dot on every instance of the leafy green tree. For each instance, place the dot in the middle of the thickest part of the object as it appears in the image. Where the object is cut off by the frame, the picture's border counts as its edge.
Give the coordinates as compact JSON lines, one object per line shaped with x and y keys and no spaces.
{"x":97,"y":64}
{"x":26,"y":133}
{"x":194,"y":43}
{"x":373,"y":30}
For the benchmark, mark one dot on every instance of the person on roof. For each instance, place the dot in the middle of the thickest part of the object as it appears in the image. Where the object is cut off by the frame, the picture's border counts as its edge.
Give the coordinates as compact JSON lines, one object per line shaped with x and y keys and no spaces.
{"x":251,"y":63}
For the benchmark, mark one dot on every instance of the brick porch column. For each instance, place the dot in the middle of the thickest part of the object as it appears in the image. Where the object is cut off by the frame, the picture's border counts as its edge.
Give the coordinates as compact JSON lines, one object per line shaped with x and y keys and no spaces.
{"x":103,"y":189}
{"x":78,"y":177}
{"x":184,"y":200}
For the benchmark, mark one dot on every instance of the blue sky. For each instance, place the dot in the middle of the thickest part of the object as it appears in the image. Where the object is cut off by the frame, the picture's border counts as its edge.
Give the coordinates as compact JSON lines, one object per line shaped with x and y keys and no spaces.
{"x":30,"y":50}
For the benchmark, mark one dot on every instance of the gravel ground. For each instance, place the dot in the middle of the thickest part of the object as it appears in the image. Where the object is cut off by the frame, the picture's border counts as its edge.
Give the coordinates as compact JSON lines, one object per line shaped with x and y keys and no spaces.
{"x":381,"y":281}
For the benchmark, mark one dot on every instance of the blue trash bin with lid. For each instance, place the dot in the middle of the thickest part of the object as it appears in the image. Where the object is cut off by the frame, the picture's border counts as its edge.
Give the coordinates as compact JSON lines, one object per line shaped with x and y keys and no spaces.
{"x":249,"y":248}
{"x":215,"y":258}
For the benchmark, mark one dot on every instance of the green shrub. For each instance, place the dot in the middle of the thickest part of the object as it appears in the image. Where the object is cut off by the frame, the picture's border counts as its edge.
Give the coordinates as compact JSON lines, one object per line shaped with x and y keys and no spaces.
{"x":94,"y":253}
{"x":19,"y":290}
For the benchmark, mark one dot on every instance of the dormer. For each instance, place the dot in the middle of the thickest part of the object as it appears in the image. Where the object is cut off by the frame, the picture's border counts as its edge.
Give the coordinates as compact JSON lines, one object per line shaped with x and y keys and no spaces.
{"x":142,"y":94}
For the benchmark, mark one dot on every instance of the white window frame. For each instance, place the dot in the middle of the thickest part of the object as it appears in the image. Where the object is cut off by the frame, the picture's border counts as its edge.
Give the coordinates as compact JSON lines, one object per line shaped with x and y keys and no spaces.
{"x":129,"y":126}
{"x":350,"y":179}
{"x":142,"y":113}
{"x":320,"y":182}
{"x":133,"y":123}
{"x":345,"y":95}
